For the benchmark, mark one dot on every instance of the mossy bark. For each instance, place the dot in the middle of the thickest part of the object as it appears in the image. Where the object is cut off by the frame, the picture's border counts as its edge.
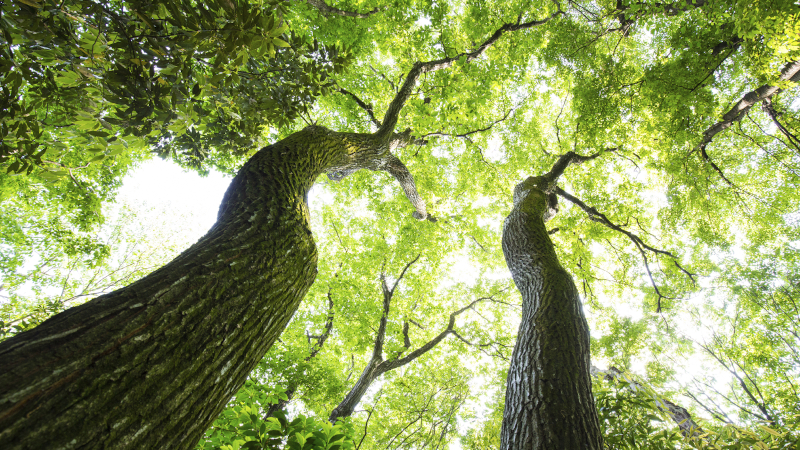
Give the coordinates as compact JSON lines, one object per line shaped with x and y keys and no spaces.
{"x":153,"y":364}
{"x":549,"y":402}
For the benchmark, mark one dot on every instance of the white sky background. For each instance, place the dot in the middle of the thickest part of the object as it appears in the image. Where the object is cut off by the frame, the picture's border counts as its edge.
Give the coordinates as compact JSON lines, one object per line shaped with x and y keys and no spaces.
{"x":164,"y":187}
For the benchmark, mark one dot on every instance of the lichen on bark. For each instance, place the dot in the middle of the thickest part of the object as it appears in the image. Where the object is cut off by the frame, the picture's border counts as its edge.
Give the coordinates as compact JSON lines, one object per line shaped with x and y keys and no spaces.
{"x":152,"y":365}
{"x":549,"y":402}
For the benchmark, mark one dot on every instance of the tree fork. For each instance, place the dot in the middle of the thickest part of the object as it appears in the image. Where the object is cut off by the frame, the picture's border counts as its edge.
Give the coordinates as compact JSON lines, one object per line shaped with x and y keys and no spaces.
{"x":151,"y":365}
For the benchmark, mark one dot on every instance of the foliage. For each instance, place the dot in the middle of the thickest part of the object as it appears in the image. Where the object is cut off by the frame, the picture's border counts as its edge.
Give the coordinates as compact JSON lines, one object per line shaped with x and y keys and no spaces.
{"x":663,"y":227}
{"x":51,"y":266}
{"x":242,"y":426}
{"x":193,"y":81}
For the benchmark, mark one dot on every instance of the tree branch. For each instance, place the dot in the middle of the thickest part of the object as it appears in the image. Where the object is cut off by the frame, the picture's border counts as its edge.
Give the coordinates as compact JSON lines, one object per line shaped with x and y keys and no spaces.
{"x":399,"y":171}
{"x":363,"y":105}
{"x":393,"y":364}
{"x":689,"y":428}
{"x":328,"y":10}
{"x":601,"y":218}
{"x":568,"y":159}
{"x":325,"y":334}
{"x":791,"y":72}
{"x":770,"y":110}
{"x":419,"y":68}
{"x":466,"y":135}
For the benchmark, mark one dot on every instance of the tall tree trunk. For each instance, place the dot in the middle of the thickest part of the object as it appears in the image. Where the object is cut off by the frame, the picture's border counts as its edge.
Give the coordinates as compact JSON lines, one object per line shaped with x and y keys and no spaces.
{"x":153,"y":364}
{"x":549,"y":402}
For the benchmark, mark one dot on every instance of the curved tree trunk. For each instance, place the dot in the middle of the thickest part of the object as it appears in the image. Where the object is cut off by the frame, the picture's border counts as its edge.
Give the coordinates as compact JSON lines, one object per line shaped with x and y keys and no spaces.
{"x":153,"y":364}
{"x":549,"y":402}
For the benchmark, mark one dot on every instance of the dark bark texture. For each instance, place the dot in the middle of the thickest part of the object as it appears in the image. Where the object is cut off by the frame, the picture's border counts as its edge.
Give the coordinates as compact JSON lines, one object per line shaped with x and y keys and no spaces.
{"x":153,"y":364}
{"x":549,"y":402}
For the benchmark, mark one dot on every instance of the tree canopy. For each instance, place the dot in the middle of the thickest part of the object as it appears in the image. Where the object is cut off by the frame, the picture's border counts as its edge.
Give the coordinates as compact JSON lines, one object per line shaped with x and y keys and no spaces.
{"x":679,"y":228}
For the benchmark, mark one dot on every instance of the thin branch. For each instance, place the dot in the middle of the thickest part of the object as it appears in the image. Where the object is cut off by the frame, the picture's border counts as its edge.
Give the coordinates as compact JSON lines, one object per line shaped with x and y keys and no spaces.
{"x":481,"y":346}
{"x":721,"y":417}
{"x":403,"y":273}
{"x":406,"y":90}
{"x":366,"y":107}
{"x":770,"y":110}
{"x":422,"y":141}
{"x":601,"y":218}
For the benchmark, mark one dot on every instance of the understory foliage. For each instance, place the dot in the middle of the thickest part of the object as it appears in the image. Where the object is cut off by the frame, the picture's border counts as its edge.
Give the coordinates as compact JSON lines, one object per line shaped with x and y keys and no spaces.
{"x":681,"y":232}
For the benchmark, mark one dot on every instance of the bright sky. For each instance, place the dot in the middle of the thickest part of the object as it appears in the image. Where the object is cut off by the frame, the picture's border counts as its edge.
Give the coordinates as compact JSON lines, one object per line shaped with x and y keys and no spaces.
{"x":163,"y":186}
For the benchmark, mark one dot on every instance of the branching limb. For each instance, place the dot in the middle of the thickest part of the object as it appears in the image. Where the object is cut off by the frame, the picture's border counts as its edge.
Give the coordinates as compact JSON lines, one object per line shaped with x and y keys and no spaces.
{"x":482,"y":347}
{"x":791,"y":72}
{"x":770,"y":110}
{"x":722,"y":417}
{"x":761,"y":405}
{"x":466,"y":135}
{"x":380,"y":336}
{"x":400,"y":172}
{"x":385,"y":78}
{"x":419,"y":68}
{"x":328,"y":10}
{"x":320,"y":340}
{"x":689,"y":428}
{"x":393,"y":364}
{"x":366,"y":107}
{"x":568,"y":159}
{"x":601,"y":218}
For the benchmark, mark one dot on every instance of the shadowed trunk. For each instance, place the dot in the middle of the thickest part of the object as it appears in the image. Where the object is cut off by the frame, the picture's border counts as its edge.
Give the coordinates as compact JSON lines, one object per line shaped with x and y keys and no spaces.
{"x":549,"y":402}
{"x":153,"y":364}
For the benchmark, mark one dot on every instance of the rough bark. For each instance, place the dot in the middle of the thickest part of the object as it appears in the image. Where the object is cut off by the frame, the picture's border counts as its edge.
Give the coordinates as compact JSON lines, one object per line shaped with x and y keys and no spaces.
{"x":549,"y":402}
{"x":151,"y":365}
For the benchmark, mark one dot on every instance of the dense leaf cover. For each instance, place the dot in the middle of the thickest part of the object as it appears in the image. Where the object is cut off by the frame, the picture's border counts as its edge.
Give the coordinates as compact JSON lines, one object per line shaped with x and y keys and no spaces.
{"x":192,"y":80}
{"x":682,"y":239}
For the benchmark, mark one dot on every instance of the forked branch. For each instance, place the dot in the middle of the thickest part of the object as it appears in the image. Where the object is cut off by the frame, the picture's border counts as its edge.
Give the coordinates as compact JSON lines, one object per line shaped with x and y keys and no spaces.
{"x":419,"y":68}
{"x":640,"y":245}
{"x":422,"y":140}
{"x":689,"y":428}
{"x":363,"y":105}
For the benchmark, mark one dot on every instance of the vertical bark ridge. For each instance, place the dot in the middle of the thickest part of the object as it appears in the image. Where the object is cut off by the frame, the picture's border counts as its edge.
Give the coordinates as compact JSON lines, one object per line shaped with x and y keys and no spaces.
{"x":549,"y":402}
{"x":152,"y":364}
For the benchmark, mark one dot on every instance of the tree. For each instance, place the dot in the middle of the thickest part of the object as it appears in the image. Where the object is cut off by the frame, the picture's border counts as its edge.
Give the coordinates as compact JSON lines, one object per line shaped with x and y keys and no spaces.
{"x":645,"y":78}
{"x":194,"y":82}
{"x":131,"y":245}
{"x":252,"y":268}
{"x":377,"y":365}
{"x":549,"y":401}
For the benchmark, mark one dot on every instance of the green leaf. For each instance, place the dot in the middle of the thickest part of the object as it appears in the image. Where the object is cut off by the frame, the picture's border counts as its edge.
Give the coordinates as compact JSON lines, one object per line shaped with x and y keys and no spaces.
{"x":278,"y":42}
